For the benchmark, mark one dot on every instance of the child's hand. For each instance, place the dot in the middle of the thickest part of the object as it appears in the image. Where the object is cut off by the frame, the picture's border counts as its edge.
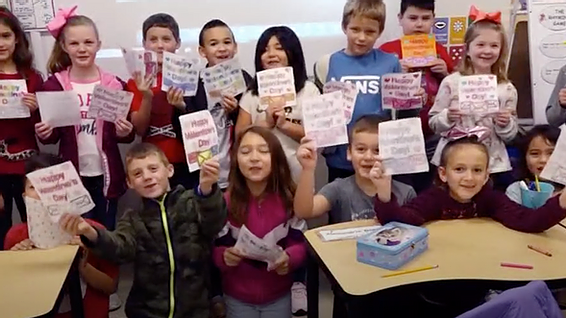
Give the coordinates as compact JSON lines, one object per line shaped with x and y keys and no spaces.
{"x":30,"y":101}
{"x":230,"y":103}
{"x":562,"y":97}
{"x":232,"y":257}
{"x":281,"y":266}
{"x":209,"y":173}
{"x":306,"y":154}
{"x":43,"y":130}
{"x":175,"y":97}
{"x":405,"y":67}
{"x":24,"y":245}
{"x":76,"y":225}
{"x":381,"y":181}
{"x":454,"y":115}
{"x":123,"y":127}
{"x":144,"y":84}
{"x":439,"y":67}
{"x":280,"y":118}
{"x":84,"y":257}
{"x":274,"y":107}
{"x":503,"y":118}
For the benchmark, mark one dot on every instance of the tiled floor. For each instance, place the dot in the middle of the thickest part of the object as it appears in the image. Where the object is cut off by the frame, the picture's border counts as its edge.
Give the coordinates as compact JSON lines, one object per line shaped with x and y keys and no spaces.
{"x":325,"y":294}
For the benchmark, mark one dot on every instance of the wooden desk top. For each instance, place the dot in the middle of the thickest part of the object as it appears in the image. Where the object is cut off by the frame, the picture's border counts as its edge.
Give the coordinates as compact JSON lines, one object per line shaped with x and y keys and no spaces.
{"x":463,"y":249}
{"x":30,"y":281}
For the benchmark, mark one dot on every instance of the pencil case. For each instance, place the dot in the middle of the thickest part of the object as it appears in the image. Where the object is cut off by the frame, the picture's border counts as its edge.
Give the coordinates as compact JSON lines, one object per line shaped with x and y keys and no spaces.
{"x":392,"y":245}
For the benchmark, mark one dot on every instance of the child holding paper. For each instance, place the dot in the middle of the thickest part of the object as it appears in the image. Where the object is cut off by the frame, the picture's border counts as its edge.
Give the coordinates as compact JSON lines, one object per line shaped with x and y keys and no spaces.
{"x":417,"y":18}
{"x":166,"y":232}
{"x":260,"y":199}
{"x":217,"y":44}
{"x":155,"y":114}
{"x":93,"y":145}
{"x":279,"y":47}
{"x":486,"y":47}
{"x":17,"y":139}
{"x":361,"y":64}
{"x":99,"y":278}
{"x":535,"y":149}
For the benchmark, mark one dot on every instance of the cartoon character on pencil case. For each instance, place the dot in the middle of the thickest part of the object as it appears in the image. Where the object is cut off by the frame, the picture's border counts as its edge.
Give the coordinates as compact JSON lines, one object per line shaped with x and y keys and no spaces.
{"x":390,"y":236}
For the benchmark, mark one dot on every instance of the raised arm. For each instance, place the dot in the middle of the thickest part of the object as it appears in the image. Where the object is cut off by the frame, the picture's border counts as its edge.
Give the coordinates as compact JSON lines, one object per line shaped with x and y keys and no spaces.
{"x":142,"y":103}
{"x":556,"y":107}
{"x":209,"y":203}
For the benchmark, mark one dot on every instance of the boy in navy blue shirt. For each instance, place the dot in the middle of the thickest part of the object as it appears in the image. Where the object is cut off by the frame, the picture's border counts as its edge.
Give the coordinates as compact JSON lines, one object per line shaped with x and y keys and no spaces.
{"x":361,"y":64}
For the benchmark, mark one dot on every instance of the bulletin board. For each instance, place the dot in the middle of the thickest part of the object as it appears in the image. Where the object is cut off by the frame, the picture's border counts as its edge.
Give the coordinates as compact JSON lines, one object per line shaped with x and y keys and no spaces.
{"x":547,"y":48}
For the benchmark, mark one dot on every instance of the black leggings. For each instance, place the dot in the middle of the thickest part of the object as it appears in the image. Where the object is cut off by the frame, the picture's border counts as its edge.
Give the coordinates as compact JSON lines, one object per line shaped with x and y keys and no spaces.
{"x":11,"y":188}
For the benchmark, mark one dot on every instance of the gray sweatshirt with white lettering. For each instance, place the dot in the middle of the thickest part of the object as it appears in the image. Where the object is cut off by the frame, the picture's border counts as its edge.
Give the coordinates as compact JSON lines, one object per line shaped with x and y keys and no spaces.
{"x":556,"y":113}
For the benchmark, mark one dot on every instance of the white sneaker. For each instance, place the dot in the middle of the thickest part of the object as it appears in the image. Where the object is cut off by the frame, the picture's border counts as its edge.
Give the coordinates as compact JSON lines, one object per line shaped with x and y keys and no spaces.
{"x":299,"y":299}
{"x":115,"y":302}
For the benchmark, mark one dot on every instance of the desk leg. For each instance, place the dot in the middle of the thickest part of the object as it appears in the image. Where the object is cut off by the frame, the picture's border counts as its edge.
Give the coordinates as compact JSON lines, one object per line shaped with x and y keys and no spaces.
{"x":74,"y":287}
{"x":312,"y":287}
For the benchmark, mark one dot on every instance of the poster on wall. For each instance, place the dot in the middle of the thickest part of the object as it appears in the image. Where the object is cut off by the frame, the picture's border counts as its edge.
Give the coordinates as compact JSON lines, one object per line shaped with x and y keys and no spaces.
{"x":547,"y":38}
{"x":33,"y":14}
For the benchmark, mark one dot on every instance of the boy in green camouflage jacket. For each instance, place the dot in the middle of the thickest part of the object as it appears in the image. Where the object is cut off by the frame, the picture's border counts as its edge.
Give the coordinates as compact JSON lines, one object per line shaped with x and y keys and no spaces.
{"x":167,"y":236}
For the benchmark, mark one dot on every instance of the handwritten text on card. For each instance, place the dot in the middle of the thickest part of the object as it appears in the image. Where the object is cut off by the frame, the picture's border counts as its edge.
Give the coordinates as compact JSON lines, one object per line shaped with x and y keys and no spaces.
{"x":180,"y":72}
{"x":11,"y":105}
{"x":277,"y":84}
{"x":200,"y":138}
{"x":109,"y":104}
{"x":349,"y":96}
{"x":402,"y":147}
{"x":478,"y":94}
{"x":224,"y":78}
{"x":399,"y":91}
{"x":323,"y":119}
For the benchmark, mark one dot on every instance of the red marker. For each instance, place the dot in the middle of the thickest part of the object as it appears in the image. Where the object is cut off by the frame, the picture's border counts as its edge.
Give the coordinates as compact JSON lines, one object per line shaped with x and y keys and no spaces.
{"x":517,"y":265}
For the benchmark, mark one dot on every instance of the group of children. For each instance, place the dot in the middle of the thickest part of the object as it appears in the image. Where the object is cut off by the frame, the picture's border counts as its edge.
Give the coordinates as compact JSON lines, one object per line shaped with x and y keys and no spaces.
{"x":262,"y":180}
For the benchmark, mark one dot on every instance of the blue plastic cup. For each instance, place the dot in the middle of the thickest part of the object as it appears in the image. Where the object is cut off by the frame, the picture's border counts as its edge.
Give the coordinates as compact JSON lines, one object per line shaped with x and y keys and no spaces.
{"x":535,"y":199}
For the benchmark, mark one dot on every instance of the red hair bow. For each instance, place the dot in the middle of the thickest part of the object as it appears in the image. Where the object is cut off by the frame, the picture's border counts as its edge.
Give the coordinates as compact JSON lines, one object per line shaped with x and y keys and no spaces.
{"x":478,"y":15}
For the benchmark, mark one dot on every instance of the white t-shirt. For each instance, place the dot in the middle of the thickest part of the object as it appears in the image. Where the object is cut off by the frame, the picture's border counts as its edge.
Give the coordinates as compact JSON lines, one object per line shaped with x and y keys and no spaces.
{"x":250,"y":104}
{"x":90,"y":161}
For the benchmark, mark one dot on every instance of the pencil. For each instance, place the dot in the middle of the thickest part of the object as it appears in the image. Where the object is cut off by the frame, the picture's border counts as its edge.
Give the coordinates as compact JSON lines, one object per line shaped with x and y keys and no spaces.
{"x":539,"y":250}
{"x":410,"y":271}
{"x":537,"y":184}
{"x":522,"y":266}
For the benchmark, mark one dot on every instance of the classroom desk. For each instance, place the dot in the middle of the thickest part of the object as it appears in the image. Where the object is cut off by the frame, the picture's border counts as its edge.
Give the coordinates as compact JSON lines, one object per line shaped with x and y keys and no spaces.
{"x":31,"y":282}
{"x":470,"y":249}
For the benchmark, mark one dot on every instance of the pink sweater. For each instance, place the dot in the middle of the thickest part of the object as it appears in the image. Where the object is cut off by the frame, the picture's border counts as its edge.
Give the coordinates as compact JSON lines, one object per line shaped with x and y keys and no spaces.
{"x":250,"y":282}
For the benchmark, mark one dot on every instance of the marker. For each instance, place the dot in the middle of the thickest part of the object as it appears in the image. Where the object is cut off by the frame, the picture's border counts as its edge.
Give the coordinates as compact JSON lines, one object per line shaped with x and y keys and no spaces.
{"x":539,"y":250}
{"x":512,"y":265}
{"x":410,"y":271}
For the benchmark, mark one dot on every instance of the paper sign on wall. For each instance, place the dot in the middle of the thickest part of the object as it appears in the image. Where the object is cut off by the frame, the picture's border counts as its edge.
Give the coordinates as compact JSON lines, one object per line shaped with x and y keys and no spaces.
{"x":349,"y":96}
{"x":180,"y":72}
{"x":139,"y":61}
{"x":402,"y":146}
{"x":458,"y":27}
{"x":323,"y":120}
{"x":555,"y":169}
{"x":224,"y":78}
{"x":11,"y":93}
{"x":276,"y":85}
{"x":200,"y":138}
{"x":478,"y":94}
{"x":59,"y":109}
{"x":61,"y":190}
{"x":440,"y":30}
{"x":252,"y":247}
{"x":109,"y":104}
{"x":43,"y":232}
{"x":399,"y":90}
{"x":419,"y":50}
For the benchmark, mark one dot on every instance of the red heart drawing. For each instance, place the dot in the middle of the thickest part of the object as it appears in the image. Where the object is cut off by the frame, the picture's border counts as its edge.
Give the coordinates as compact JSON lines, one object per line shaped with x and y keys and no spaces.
{"x":416,"y":75}
{"x":491,"y":77}
{"x":467,"y":96}
{"x":387,"y":80}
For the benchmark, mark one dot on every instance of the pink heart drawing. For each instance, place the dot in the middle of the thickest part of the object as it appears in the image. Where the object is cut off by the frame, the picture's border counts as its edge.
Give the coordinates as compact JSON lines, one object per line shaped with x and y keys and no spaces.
{"x":387,"y":80}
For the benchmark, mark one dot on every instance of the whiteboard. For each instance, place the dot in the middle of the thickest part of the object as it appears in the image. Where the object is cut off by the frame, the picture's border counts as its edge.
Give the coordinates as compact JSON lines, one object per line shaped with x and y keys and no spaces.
{"x":547,"y":41}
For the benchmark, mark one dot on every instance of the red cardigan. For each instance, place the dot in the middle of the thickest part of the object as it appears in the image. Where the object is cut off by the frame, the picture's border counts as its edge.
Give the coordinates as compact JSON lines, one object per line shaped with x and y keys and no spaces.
{"x":19,"y":133}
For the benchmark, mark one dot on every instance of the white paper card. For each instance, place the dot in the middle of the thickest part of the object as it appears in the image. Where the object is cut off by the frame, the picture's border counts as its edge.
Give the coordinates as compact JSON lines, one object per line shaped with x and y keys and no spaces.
{"x":140,"y":61}
{"x":109,"y":104}
{"x":180,"y":72}
{"x":347,"y":234}
{"x":555,"y":169}
{"x":349,"y":96}
{"x":43,"y":232}
{"x":61,"y":190}
{"x":323,"y":120}
{"x":399,"y":90}
{"x":11,"y":93}
{"x":200,"y":138}
{"x":224,"y":78}
{"x":252,"y":247}
{"x":477,"y":94}
{"x":275,"y":85}
{"x":59,"y":109}
{"x":402,"y":146}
